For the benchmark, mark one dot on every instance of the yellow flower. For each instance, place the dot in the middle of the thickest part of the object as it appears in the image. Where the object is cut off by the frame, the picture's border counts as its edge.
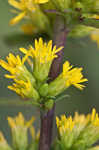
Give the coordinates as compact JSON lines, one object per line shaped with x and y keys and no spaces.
{"x":24,"y":81}
{"x":42,"y":52}
{"x":14,"y":65}
{"x":64,"y":124}
{"x":94,"y":118}
{"x":17,"y":68}
{"x":33,"y":133}
{"x":2,"y":139}
{"x":19,"y":121}
{"x":81,"y":119}
{"x":79,"y":131}
{"x":3,"y":143}
{"x":24,"y":89}
{"x":19,"y":130}
{"x":69,"y":76}
{"x":26,"y":7}
{"x":65,"y":130}
{"x":43,"y":55}
{"x":73,"y":76}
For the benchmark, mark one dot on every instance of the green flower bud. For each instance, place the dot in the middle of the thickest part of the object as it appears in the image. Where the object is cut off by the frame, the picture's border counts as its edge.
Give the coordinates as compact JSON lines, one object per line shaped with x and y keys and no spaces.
{"x":43,"y":90}
{"x":57,"y":86}
{"x":49,"y":104}
{"x":19,"y":129}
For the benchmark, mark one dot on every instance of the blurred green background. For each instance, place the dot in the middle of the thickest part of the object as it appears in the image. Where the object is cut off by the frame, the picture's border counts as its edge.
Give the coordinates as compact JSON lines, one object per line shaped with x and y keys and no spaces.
{"x":81,"y":52}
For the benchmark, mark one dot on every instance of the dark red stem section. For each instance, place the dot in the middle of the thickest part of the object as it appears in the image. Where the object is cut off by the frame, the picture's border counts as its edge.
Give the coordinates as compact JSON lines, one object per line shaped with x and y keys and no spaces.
{"x":59,"y":39}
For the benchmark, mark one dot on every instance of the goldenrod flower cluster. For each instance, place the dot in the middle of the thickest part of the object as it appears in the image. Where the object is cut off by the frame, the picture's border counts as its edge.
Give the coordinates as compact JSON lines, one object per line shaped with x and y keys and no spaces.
{"x":43,"y":55}
{"x":33,"y":84}
{"x":31,"y":12}
{"x":69,"y":76}
{"x":78,"y":15}
{"x":79,"y":132}
{"x":23,"y":79}
{"x":19,"y":128}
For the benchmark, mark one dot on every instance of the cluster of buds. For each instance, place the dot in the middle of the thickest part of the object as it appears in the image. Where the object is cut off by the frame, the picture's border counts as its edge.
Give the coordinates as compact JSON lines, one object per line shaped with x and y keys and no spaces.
{"x":80,"y":17}
{"x":79,"y":132}
{"x":33,"y":83}
{"x":19,"y":129}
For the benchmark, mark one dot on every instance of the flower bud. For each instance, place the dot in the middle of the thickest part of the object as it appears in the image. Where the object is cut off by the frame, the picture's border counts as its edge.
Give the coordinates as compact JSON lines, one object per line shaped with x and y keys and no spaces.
{"x":43,"y":90}
{"x":69,"y":76}
{"x":49,"y":104}
{"x":43,"y":55}
{"x":19,"y":131}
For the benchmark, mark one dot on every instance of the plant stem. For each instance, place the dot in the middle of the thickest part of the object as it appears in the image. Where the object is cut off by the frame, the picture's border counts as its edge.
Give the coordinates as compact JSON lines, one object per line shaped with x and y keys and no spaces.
{"x":59,"y":39}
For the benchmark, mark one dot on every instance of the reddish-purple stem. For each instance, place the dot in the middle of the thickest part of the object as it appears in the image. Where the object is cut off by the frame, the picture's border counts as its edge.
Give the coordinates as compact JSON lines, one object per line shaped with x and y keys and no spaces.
{"x":59,"y":39}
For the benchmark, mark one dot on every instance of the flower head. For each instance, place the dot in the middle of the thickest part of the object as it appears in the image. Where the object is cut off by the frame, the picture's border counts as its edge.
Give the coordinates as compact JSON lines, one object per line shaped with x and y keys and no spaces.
{"x":69,"y":76}
{"x":20,"y":122}
{"x":26,"y":8}
{"x":73,"y":76}
{"x":94,"y":118}
{"x":42,"y":52}
{"x":14,"y":65}
{"x":64,"y":124}
{"x":43,"y":55}
{"x":25,"y":89}
{"x":80,"y":131}
{"x":19,"y":130}
{"x":65,"y":129}
{"x":24,"y":81}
